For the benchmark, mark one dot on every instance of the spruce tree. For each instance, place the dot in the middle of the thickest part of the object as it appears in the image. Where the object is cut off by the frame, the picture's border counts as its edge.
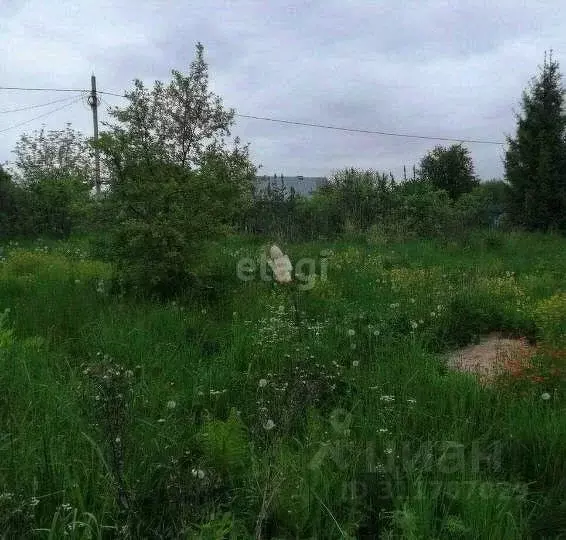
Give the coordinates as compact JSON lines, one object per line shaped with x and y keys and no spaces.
{"x":535,"y":161}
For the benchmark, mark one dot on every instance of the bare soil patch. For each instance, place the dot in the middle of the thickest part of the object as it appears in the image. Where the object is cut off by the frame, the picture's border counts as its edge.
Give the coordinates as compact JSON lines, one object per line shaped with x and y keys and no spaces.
{"x":493,"y":356}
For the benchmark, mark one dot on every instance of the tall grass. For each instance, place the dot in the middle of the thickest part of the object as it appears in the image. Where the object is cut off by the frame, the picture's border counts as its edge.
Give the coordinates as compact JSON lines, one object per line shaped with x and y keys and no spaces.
{"x":219,"y":417}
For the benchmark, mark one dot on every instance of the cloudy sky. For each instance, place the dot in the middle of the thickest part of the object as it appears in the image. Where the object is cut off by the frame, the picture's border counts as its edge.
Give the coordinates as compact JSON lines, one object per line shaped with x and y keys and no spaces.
{"x":437,"y":68}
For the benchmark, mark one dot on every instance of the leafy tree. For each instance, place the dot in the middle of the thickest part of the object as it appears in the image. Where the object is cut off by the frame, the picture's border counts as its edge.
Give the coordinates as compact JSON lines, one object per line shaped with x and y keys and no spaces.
{"x":363,"y":196}
{"x":483,"y":206}
{"x":53,"y":171}
{"x":421,"y":209}
{"x":7,"y":203}
{"x":53,"y":154}
{"x":57,"y":205}
{"x":174,"y":181}
{"x":179,"y":122}
{"x":450,"y":169}
{"x":535,"y":161}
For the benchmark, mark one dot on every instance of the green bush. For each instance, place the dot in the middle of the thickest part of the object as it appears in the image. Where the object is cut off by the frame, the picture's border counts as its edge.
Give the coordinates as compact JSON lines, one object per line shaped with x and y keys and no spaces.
{"x":174,"y":183}
{"x":550,"y":318}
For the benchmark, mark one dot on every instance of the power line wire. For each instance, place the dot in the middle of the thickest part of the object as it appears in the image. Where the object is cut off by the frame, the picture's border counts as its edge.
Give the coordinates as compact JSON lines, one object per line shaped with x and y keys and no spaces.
{"x":33,"y":106}
{"x":73,"y":101}
{"x":390,"y":134}
{"x":111,"y":93}
{"x":43,"y":89}
{"x":24,"y":89}
{"x":289,"y":122}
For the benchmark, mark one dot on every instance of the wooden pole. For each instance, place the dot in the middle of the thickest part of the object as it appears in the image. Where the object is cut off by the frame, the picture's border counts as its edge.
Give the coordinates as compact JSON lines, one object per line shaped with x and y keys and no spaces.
{"x":94,"y":104}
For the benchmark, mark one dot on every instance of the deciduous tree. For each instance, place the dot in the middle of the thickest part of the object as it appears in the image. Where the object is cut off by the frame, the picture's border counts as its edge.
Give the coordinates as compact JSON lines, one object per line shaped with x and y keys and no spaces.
{"x":450,"y":169}
{"x":174,"y":181}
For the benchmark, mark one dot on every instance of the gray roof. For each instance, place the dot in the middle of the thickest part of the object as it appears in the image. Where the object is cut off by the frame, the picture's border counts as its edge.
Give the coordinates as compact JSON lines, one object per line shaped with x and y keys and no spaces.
{"x":303,"y":185}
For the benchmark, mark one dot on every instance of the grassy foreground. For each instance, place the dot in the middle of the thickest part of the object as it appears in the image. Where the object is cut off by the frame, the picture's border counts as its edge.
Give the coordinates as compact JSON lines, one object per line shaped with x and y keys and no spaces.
{"x":232,"y":417}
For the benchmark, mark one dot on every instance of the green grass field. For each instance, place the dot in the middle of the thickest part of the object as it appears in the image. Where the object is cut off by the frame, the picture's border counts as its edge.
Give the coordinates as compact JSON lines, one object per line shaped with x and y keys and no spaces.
{"x":231,"y":416}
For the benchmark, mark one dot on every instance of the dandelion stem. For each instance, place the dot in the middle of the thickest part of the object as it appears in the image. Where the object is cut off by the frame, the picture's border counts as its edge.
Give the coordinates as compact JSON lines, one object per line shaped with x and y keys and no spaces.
{"x":295,"y":295}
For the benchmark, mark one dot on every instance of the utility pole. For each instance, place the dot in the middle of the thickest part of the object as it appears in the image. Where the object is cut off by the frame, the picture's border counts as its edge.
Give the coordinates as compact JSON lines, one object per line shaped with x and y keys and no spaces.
{"x":93,"y":102}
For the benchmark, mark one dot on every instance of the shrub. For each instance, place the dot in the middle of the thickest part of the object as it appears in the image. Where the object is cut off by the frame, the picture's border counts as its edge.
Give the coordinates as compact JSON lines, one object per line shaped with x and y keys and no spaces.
{"x":550,"y":317}
{"x":174,"y":182}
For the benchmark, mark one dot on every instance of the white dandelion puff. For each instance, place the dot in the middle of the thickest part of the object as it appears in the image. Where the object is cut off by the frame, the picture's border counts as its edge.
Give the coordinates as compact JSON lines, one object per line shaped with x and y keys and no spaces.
{"x":269,"y":425}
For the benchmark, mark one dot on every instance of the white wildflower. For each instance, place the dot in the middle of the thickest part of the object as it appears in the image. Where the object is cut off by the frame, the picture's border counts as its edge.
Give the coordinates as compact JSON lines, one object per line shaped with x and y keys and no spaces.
{"x":355,"y":363}
{"x":171,"y":404}
{"x":269,"y":425}
{"x":351,"y":332}
{"x":198,"y":473}
{"x":262,"y":383}
{"x":545,"y":396}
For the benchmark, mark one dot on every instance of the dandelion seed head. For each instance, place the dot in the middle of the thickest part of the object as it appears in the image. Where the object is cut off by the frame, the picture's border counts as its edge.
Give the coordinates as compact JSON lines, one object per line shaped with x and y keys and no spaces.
{"x":198,"y":473}
{"x":269,"y":425}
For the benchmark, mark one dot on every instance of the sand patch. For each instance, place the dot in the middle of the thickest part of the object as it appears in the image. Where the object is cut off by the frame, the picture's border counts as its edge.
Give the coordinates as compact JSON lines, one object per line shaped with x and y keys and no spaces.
{"x":492,"y":356}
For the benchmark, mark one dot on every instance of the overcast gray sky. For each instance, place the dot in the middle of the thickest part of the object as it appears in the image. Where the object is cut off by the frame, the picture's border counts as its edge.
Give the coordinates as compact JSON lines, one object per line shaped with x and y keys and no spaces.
{"x":425,"y":67}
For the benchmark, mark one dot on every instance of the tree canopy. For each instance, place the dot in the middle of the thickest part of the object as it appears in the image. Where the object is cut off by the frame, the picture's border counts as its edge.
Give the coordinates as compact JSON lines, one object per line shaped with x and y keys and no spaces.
{"x":450,"y":169}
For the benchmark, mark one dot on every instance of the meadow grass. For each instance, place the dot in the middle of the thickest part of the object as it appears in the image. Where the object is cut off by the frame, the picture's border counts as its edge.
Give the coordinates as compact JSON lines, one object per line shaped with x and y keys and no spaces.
{"x":227,"y":416}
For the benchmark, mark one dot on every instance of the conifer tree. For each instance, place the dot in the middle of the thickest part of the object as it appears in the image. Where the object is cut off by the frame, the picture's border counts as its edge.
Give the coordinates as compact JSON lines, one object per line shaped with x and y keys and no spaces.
{"x":535,"y":161}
